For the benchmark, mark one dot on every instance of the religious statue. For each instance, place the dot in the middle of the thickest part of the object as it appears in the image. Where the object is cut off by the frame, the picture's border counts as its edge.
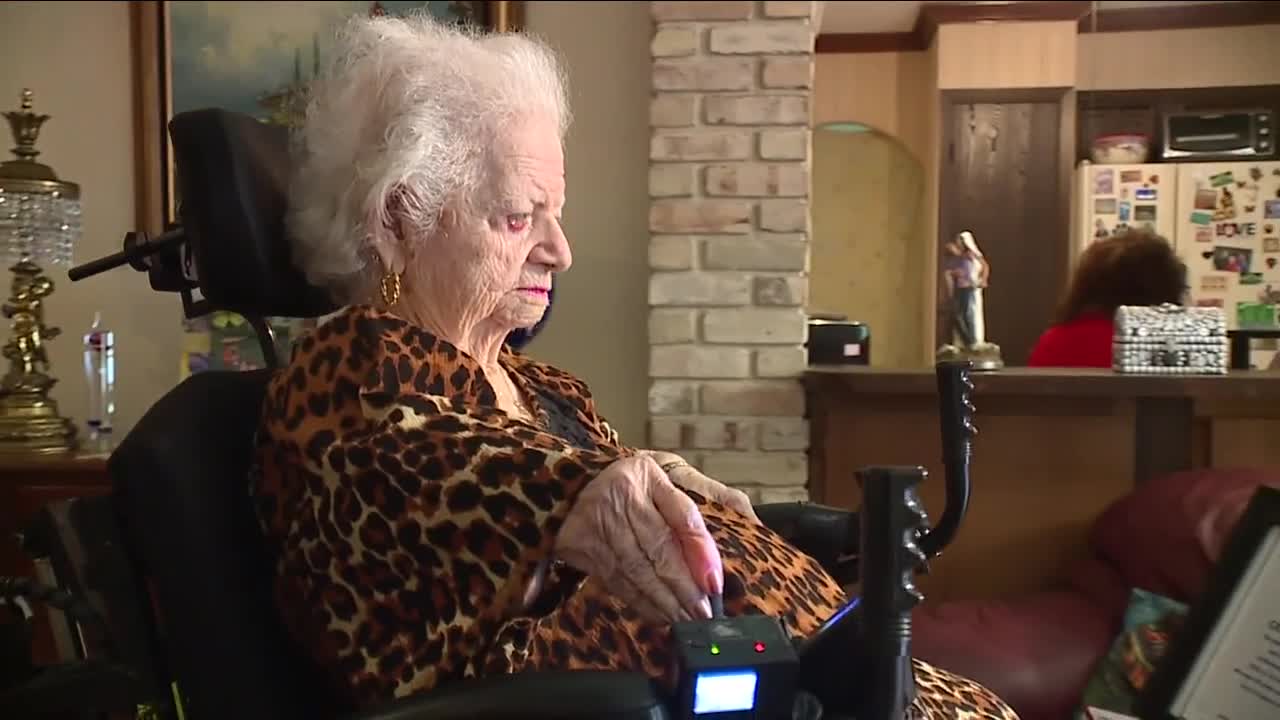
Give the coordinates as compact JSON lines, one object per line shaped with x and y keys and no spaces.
{"x":966,"y":273}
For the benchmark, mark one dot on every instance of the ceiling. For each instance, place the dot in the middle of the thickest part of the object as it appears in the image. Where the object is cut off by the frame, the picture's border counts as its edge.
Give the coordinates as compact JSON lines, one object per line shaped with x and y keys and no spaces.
{"x":850,"y":16}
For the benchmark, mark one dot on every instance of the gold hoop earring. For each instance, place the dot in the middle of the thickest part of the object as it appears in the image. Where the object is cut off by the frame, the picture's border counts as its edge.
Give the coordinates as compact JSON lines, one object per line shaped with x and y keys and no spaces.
{"x":390,"y":288}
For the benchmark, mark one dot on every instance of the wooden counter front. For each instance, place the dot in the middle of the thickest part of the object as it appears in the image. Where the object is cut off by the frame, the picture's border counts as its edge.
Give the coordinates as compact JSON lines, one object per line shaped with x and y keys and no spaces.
{"x":1054,"y":449}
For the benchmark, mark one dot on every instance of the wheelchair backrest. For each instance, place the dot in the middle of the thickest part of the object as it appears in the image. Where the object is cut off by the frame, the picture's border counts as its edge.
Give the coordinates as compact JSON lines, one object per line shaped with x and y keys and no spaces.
{"x":181,"y":488}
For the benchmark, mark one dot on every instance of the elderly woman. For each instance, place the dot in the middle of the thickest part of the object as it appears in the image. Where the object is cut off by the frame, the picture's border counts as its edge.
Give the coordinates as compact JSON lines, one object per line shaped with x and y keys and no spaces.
{"x":441,"y":506}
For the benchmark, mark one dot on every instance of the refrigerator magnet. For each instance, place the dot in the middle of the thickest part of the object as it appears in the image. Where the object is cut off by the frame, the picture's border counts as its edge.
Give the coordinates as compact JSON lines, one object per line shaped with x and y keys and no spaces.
{"x":1222,"y":179}
{"x":1145,"y":194}
{"x":1271,"y":263}
{"x":1144,"y":213}
{"x":1201,"y":218}
{"x":1271,"y":210}
{"x":1206,"y":199}
{"x":1130,"y":176}
{"x":1124,"y":211}
{"x":1232,"y":259}
{"x":1226,"y":206}
{"x":1213,"y":283}
{"x":1104,"y":182}
{"x":1255,"y":173}
{"x":1105,"y":206}
{"x":1231,"y":229}
{"x":1204,"y":235}
{"x":1251,"y":278}
{"x":1270,"y":244}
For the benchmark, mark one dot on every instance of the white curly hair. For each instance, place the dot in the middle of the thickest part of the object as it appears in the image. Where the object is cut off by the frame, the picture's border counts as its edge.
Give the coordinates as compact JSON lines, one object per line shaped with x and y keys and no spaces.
{"x":404,"y":114}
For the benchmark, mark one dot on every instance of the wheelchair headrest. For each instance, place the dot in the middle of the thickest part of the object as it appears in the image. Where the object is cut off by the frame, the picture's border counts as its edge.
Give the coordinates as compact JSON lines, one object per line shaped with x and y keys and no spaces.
{"x":232,"y":176}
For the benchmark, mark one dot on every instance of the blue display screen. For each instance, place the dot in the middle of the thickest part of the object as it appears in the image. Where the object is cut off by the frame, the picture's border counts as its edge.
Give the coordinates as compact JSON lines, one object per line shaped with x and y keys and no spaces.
{"x":728,"y":691}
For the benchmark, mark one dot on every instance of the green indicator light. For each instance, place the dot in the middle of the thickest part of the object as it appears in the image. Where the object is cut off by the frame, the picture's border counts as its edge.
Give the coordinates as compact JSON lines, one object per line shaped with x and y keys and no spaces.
{"x":715,"y":649}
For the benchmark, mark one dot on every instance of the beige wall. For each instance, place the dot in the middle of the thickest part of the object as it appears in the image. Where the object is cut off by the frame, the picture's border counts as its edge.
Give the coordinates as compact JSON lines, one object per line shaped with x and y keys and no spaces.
{"x":601,"y":312}
{"x":75,"y":56}
{"x":868,"y":197}
{"x":888,"y":92}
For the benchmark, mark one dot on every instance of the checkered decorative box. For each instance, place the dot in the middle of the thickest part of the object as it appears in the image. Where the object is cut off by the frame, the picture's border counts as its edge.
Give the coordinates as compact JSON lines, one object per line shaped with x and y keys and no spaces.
{"x":1170,"y":340}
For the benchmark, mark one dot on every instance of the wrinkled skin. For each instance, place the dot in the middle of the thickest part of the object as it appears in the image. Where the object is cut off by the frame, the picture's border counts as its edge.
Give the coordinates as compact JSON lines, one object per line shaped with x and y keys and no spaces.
{"x":689,"y":478}
{"x":487,"y":268}
{"x":636,"y":531}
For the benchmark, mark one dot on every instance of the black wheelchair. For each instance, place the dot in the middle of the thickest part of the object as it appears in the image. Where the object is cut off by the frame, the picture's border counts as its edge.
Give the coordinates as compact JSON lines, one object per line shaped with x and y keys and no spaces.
{"x":166,"y":582}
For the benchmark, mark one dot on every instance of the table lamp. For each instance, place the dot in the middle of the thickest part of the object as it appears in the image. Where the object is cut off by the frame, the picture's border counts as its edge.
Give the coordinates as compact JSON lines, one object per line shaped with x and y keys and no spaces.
{"x":39,"y":225}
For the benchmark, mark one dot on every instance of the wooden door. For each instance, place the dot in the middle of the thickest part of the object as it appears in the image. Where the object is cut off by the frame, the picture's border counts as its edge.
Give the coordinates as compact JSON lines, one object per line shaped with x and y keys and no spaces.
{"x":1001,"y":182}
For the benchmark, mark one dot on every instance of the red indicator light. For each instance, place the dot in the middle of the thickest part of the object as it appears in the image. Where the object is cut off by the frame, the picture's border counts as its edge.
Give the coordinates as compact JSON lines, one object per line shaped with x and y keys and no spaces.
{"x":759,"y":647}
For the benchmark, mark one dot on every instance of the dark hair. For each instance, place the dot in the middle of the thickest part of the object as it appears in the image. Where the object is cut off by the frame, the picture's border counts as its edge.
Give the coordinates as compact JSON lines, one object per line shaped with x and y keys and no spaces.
{"x":1135,"y":267}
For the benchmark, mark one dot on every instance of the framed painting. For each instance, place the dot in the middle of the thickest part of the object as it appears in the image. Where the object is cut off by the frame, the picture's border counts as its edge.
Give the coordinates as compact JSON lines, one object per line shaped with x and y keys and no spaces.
{"x":255,"y":58}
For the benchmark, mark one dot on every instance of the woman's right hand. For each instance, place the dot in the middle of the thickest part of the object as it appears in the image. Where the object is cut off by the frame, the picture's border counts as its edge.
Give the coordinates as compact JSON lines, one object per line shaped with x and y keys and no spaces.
{"x":645,"y":539}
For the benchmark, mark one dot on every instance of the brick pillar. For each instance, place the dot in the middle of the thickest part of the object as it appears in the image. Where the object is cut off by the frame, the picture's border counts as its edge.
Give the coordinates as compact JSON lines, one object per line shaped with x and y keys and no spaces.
{"x":729,"y":245}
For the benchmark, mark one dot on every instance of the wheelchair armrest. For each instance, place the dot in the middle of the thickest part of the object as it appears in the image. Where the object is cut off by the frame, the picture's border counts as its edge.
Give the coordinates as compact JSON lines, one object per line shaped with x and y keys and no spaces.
{"x":547,"y":695}
{"x":827,"y":534}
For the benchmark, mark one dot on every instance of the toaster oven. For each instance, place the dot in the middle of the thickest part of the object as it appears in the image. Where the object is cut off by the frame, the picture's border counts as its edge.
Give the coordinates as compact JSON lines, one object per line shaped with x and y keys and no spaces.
{"x":1219,"y":135}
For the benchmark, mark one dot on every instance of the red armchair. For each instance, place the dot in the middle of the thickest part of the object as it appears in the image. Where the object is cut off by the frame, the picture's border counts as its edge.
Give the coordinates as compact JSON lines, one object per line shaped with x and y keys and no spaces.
{"x":1038,"y":650}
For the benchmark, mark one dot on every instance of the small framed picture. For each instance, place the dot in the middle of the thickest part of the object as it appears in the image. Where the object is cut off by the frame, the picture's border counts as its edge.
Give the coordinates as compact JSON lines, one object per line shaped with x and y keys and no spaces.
{"x":1222,"y":663}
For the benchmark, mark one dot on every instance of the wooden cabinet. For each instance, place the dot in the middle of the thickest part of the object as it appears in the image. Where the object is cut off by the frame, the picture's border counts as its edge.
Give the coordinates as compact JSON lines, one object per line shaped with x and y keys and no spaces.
{"x":28,"y":483}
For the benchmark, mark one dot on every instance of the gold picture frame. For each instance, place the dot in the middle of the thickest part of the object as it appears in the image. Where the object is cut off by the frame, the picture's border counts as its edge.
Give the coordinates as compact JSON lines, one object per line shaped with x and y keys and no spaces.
{"x":150,"y":25}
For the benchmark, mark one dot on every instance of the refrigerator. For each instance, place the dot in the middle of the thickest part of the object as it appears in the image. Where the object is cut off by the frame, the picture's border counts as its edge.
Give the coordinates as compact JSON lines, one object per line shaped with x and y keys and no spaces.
{"x":1222,"y":217}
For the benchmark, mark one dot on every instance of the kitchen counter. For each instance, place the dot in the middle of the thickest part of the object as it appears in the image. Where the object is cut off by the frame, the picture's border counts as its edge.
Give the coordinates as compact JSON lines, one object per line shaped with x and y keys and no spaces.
{"x":1054,"y":449}
{"x":1236,"y":385}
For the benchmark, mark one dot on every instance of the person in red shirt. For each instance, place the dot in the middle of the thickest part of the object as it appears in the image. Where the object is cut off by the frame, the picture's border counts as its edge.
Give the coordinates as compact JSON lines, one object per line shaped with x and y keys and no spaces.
{"x":1135,"y":267}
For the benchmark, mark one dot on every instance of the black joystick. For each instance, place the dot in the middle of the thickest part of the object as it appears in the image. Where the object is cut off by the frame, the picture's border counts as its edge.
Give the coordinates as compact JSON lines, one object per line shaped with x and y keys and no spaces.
{"x":895,"y":543}
{"x":892,"y":520}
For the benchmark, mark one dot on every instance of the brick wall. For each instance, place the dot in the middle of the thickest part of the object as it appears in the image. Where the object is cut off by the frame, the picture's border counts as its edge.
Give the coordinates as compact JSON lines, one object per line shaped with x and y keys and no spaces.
{"x":729,"y":239}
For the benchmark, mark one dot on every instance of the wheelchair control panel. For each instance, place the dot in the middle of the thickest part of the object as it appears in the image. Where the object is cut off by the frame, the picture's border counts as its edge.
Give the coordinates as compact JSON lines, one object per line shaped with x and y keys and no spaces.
{"x":742,"y":668}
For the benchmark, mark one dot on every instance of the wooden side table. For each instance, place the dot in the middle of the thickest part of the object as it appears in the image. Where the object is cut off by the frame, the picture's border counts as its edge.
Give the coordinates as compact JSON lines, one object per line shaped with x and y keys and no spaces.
{"x":28,"y":483}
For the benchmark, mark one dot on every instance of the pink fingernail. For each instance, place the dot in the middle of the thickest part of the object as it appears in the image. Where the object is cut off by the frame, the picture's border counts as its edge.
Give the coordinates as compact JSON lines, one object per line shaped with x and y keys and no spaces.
{"x":705,"y":608}
{"x":715,"y":583}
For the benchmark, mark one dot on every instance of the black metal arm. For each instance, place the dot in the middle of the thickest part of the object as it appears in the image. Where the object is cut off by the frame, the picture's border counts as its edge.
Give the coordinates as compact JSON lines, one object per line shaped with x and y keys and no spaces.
{"x":955,"y":388}
{"x":168,"y":263}
{"x":896,"y":542}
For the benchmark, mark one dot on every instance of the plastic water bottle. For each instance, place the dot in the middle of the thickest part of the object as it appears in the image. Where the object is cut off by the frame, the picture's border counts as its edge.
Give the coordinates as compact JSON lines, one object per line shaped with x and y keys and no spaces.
{"x":100,"y":375}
